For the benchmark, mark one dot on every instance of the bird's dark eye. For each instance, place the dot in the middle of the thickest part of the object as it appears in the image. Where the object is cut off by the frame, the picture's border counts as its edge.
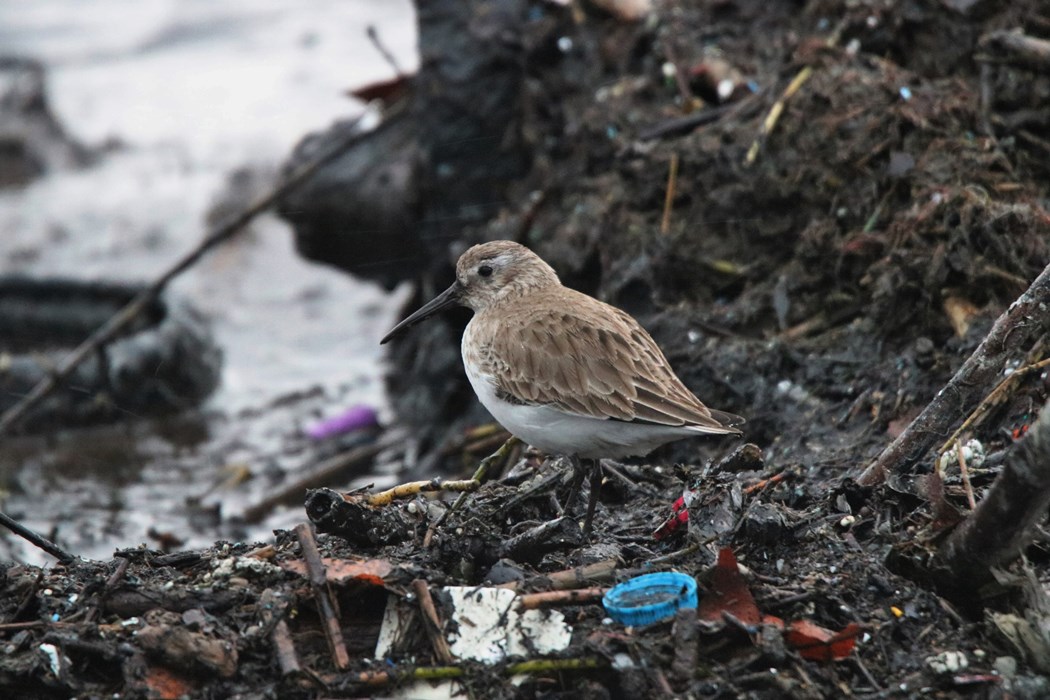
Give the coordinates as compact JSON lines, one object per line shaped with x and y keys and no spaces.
{"x":485,"y":271}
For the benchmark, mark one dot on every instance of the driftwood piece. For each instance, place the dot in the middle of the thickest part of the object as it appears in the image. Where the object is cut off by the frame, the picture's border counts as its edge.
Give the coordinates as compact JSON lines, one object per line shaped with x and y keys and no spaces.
{"x":128,"y":601}
{"x":171,"y":638}
{"x":959,"y":396}
{"x":1001,"y":526}
{"x":356,"y":521}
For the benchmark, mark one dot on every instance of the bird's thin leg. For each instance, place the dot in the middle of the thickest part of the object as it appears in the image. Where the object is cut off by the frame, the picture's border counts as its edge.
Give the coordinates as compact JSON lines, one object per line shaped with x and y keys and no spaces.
{"x":577,"y":481}
{"x":592,"y":501}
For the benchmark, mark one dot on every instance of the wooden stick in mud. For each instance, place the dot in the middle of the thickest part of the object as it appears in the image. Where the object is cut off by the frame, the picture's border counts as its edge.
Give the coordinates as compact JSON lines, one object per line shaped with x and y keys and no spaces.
{"x":284,"y":647}
{"x":431,"y":621}
{"x":318,"y":576}
{"x":123,"y":318}
{"x":1025,"y":316}
{"x":576,"y":596}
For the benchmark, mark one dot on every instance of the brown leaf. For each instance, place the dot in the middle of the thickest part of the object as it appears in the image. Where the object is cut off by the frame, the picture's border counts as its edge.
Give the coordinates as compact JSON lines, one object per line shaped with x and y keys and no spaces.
{"x":816,"y":643}
{"x":728,"y":593}
{"x":960,"y":311}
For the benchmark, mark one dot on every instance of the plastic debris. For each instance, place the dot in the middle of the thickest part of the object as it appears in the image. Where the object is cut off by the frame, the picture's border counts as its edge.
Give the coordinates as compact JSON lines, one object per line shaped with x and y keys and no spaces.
{"x":947,"y":662}
{"x":356,"y":418}
{"x":487,"y":626}
{"x":651,"y":598}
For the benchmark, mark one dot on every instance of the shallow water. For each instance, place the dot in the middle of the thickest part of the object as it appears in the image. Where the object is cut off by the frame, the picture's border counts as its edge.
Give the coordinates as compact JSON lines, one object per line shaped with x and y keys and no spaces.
{"x":192,"y":91}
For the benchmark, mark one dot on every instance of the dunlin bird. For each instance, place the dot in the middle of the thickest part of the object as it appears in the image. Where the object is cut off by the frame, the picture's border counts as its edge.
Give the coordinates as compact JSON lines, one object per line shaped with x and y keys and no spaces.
{"x":564,"y":372}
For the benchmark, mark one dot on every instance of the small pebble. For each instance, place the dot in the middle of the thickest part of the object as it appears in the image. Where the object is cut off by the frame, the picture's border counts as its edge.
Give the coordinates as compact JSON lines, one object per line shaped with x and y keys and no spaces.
{"x":1005,"y":666}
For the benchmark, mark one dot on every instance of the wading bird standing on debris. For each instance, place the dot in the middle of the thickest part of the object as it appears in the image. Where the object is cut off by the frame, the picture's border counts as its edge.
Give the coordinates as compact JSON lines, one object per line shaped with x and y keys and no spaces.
{"x":561,"y":370}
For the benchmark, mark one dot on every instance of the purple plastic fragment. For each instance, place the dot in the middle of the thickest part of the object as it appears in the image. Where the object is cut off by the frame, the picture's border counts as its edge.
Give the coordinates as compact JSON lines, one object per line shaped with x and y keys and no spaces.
{"x":355,"y":418}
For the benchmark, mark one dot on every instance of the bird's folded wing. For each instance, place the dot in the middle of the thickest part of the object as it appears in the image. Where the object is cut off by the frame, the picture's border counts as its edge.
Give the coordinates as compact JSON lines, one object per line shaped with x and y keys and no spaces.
{"x":595,"y":361}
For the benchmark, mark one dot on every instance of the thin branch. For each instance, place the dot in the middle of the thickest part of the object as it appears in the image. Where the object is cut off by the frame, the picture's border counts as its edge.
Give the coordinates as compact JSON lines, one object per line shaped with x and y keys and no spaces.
{"x":770,"y":122}
{"x":33,"y":538}
{"x":432,"y":621}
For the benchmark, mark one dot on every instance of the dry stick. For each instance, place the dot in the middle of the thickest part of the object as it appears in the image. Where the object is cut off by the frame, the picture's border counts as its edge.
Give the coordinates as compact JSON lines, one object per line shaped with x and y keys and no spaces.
{"x":997,"y":531}
{"x":431,"y":673}
{"x":571,"y":578}
{"x":287,"y":659}
{"x":119,"y":321}
{"x":775,"y":111}
{"x":965,"y":473}
{"x":33,"y":538}
{"x":576,"y":596}
{"x":699,"y":118}
{"x":672,"y":182}
{"x":414,"y":488}
{"x":116,"y":577}
{"x":959,"y":395}
{"x":431,"y":621}
{"x":323,"y":595}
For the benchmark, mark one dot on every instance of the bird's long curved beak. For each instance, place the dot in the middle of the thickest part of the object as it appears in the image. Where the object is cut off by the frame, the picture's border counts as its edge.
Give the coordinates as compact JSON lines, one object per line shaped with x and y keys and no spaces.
{"x":447,"y":299}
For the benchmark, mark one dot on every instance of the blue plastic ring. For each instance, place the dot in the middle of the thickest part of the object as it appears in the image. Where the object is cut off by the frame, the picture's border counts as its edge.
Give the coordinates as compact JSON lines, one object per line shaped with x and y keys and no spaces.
{"x":650,"y":598}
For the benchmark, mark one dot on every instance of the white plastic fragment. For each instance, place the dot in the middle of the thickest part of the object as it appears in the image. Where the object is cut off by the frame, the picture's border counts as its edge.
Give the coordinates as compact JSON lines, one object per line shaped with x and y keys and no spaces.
{"x":430,"y":690}
{"x":487,"y":626}
{"x":398,"y":619}
{"x":54,"y":658}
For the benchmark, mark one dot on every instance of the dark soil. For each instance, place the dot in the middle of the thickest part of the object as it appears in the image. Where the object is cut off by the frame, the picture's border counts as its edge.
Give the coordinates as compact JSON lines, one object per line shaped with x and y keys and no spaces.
{"x":826,"y":291}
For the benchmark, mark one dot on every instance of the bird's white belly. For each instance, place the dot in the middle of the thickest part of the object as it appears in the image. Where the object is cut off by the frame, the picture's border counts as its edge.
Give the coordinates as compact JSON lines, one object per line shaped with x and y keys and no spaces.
{"x":556,"y":432}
